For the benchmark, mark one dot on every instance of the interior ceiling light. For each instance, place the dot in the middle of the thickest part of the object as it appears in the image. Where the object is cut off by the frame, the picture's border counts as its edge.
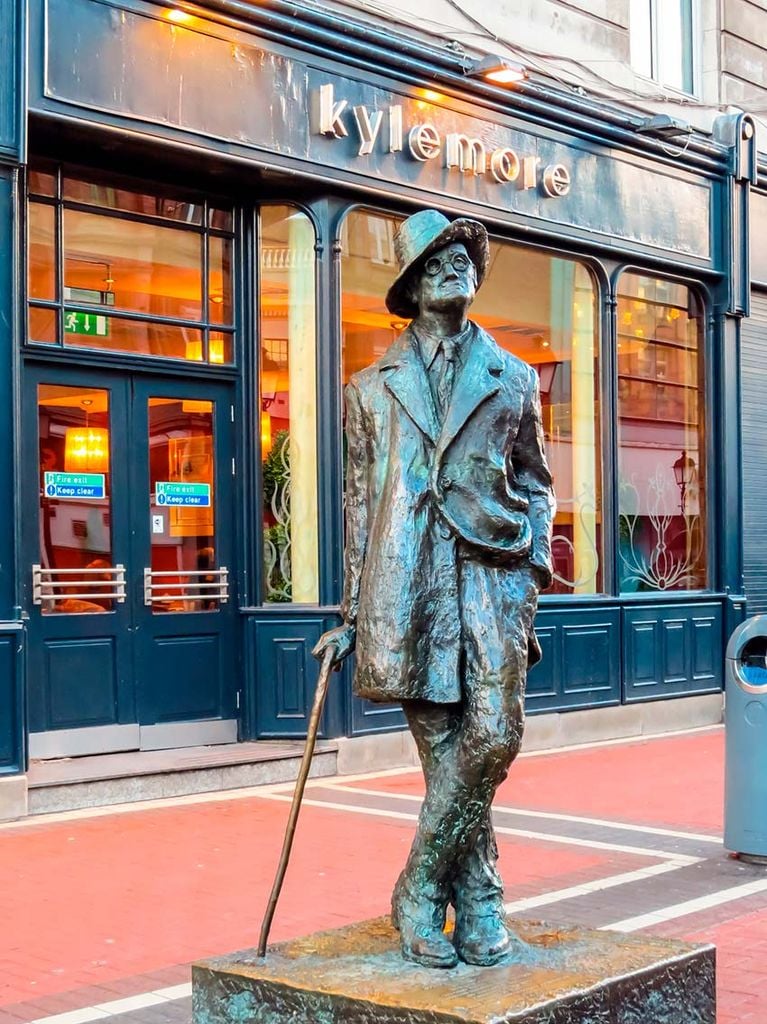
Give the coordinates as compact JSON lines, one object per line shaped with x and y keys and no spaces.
{"x":180,"y":17}
{"x":498,"y":70}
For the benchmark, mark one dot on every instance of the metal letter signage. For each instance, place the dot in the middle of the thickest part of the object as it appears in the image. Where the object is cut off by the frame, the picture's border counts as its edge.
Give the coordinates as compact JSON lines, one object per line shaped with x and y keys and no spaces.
{"x":368,"y":128}
{"x":327,"y":113}
{"x":423,"y":142}
{"x":556,"y":180}
{"x":468,"y":154}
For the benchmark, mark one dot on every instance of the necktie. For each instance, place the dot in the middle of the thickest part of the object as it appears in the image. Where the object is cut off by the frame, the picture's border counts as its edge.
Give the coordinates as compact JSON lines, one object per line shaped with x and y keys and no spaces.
{"x":446,"y":375}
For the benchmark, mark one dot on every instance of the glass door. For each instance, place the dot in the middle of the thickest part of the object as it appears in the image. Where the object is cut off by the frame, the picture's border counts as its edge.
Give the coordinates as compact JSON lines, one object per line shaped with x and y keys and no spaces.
{"x":77,"y":535}
{"x":185,"y":614}
{"x":128,"y":530}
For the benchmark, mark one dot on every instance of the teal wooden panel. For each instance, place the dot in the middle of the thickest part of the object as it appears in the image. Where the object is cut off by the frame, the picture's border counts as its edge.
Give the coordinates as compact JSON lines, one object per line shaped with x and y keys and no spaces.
{"x":12,"y":758}
{"x":581,"y":659}
{"x":12,"y":81}
{"x":282,"y":675}
{"x":672,"y":650}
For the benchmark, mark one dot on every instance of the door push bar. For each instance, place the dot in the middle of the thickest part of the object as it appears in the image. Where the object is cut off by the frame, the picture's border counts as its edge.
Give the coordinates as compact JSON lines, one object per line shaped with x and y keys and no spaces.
{"x":54,"y":584}
{"x":186,"y":585}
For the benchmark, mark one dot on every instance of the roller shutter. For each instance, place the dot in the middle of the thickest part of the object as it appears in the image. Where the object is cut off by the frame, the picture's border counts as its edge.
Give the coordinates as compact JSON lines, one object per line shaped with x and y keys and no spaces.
{"x":754,"y":429}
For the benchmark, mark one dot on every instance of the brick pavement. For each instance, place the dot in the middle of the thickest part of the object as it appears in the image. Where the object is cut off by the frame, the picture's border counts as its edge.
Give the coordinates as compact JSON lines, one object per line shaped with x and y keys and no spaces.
{"x":100,"y":907}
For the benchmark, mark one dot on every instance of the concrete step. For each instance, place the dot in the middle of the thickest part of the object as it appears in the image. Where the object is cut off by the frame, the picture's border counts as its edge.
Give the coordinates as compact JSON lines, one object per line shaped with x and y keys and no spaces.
{"x":68,"y":784}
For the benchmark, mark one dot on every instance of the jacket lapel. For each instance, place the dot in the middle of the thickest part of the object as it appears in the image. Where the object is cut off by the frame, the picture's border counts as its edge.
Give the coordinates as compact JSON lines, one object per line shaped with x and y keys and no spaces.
{"x":406,"y":379}
{"x":478,"y":380}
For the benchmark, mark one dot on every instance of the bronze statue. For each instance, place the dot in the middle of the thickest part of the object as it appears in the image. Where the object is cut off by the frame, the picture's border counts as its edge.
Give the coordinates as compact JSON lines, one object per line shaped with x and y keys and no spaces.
{"x":448,"y":541}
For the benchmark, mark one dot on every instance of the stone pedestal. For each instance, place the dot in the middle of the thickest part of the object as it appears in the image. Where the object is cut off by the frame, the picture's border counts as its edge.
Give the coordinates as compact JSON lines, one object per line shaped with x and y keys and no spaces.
{"x":355,"y":975}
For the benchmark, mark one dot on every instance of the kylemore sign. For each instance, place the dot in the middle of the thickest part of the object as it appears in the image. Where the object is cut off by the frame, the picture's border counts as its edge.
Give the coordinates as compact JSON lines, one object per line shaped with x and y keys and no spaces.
{"x":229,"y":91}
{"x":423,"y":141}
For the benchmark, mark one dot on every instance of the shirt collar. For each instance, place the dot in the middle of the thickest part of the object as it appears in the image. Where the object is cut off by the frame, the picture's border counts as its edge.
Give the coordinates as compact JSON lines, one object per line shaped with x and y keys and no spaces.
{"x":430,"y":344}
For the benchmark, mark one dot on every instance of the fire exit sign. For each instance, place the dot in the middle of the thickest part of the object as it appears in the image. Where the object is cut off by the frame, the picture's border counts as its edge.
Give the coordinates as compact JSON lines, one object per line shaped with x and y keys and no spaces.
{"x":86,"y":323}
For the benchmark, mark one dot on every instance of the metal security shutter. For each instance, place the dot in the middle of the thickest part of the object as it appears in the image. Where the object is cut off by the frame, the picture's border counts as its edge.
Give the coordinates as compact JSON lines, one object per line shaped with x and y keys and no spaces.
{"x":754,"y":427}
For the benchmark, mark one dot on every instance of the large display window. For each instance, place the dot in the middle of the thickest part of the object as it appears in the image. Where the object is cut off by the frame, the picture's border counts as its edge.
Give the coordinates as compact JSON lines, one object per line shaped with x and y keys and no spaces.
{"x":543,"y":309}
{"x":288,"y":406}
{"x":662,"y":486}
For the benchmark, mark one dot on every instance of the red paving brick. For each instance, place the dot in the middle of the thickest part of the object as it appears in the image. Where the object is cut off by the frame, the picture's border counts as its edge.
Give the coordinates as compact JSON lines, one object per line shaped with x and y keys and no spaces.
{"x":96,"y":908}
{"x":97,"y":899}
{"x":673,"y":782}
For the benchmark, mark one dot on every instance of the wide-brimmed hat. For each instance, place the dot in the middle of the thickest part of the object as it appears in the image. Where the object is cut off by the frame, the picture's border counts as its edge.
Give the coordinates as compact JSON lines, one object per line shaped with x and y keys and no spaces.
{"x":421,"y":235}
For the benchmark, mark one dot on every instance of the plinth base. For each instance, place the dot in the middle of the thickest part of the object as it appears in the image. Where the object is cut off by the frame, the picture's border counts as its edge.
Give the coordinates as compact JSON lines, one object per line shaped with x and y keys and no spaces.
{"x":553,"y":976}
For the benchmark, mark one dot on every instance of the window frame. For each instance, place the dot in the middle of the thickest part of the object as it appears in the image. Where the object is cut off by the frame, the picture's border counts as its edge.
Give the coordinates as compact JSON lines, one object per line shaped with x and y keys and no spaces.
{"x":59,"y":305}
{"x":690,"y":58}
{"x":702,"y":294}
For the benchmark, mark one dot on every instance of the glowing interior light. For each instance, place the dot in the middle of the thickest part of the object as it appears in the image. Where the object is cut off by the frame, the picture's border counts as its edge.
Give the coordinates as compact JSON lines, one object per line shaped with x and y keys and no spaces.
{"x":86,"y":450}
{"x":504,"y":76}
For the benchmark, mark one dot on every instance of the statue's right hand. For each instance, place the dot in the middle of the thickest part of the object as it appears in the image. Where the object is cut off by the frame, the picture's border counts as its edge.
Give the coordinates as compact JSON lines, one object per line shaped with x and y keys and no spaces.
{"x":342,"y":639}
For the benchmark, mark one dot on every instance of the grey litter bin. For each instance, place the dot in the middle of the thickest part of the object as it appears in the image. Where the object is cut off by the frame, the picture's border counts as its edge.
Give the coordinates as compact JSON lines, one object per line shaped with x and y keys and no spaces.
{"x":745,"y":791}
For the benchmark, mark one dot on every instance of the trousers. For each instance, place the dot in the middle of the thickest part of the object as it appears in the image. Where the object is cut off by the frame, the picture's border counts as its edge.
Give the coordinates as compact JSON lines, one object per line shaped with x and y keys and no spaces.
{"x":466,"y":749}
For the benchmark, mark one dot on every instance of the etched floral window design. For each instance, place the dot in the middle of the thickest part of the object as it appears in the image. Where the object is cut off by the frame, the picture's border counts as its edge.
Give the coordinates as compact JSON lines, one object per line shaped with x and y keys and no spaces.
{"x":662,"y":536}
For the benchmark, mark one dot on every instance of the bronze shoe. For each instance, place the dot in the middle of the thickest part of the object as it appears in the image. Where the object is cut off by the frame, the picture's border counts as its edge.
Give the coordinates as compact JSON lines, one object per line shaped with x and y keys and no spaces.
{"x":482,"y":938}
{"x":421,"y":930}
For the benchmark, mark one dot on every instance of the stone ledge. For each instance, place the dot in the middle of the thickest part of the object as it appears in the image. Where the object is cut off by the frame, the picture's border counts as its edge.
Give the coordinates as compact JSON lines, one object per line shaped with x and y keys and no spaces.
{"x":104,"y":792}
{"x":13,"y":797}
{"x":557,"y":975}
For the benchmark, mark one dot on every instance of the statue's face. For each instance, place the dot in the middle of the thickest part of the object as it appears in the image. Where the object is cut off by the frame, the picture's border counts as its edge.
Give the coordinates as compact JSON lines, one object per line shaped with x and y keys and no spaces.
{"x":447,"y":281}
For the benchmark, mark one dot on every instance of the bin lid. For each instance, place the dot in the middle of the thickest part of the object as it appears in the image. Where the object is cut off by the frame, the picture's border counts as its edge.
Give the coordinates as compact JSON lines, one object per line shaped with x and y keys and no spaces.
{"x":752,"y":628}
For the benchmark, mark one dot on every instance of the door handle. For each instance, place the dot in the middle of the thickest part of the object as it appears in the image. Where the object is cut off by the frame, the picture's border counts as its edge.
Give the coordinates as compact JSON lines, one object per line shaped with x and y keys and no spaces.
{"x":188,"y":585}
{"x":83,"y":584}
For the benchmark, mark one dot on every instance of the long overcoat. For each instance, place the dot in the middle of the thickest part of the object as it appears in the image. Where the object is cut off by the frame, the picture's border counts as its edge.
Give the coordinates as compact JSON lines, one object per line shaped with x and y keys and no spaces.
{"x":422,"y":494}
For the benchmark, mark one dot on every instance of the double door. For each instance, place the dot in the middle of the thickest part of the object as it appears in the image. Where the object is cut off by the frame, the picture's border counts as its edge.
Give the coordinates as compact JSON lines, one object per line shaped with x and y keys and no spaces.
{"x":129,"y":533}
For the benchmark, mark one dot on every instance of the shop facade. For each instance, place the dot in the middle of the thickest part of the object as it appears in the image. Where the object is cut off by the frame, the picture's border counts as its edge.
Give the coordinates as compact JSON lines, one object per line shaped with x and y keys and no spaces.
{"x":198,"y":213}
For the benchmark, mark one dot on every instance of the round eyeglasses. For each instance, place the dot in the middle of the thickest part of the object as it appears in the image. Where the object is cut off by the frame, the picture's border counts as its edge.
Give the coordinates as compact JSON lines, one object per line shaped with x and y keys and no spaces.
{"x":458,"y":260}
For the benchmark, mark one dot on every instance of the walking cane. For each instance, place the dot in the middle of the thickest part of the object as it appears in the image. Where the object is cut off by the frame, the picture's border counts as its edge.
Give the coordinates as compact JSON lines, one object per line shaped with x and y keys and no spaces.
{"x":298,"y":794}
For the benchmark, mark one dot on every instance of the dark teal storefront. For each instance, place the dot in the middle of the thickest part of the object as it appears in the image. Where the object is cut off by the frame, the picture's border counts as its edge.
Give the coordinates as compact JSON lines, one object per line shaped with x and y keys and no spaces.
{"x":197,"y":212}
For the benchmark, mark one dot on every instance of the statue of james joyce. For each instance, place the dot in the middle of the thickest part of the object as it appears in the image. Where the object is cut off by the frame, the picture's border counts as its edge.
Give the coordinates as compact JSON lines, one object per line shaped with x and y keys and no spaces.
{"x":448,"y":514}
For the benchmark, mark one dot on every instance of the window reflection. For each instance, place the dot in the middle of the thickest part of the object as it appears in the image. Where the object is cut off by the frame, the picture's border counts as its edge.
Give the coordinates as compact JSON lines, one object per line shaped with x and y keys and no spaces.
{"x":113,"y":334}
{"x":144,"y":268}
{"x":75,"y":499}
{"x":288,"y":420}
{"x":543,"y":310}
{"x":661,"y":434}
{"x":42,"y":251}
{"x":182,"y":505}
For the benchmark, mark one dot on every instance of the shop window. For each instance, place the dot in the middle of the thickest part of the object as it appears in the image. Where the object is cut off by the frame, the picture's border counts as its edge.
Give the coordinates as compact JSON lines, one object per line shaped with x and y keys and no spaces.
{"x":124,"y":271}
{"x":288,"y":404}
{"x":661,"y":41}
{"x":661,"y":434}
{"x":542,"y":309}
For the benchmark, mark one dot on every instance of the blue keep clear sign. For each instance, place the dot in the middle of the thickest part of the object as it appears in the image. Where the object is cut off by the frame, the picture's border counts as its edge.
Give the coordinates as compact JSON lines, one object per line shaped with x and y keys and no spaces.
{"x":74,"y":485}
{"x":170,"y":493}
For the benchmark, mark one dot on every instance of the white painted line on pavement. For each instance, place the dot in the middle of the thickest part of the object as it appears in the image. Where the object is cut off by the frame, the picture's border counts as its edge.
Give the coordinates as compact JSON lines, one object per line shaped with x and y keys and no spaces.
{"x":544,"y":899}
{"x":671,"y":913}
{"x":546,"y":837}
{"x":115,"y":1006}
{"x":250,"y":792}
{"x":553,"y":815}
